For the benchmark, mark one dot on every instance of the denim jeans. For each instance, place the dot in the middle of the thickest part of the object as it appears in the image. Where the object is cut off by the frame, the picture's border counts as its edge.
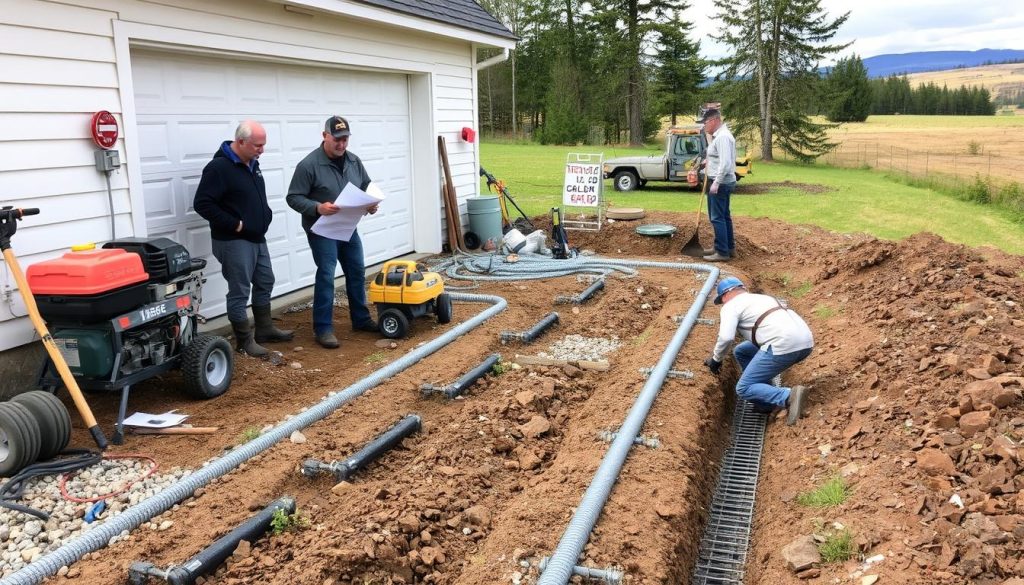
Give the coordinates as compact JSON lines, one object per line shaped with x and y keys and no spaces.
{"x":245,"y":266}
{"x":759,"y":367}
{"x":721,"y":219}
{"x":326,"y":254}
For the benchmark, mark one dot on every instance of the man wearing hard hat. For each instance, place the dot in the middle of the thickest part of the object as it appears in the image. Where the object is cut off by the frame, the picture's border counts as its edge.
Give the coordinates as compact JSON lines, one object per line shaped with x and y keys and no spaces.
{"x":775,"y":338}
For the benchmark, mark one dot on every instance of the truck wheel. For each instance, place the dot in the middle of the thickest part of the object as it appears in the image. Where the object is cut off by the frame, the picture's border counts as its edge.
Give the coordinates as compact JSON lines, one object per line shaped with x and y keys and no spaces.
{"x":53,"y":419}
{"x":625,"y":181}
{"x":20,"y":438}
{"x":444,"y":308}
{"x":206,"y":366}
{"x":393,"y":324}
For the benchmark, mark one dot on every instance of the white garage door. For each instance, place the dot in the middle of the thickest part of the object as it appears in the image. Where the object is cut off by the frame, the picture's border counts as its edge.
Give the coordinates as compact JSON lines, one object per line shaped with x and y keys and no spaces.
{"x":186,"y":105}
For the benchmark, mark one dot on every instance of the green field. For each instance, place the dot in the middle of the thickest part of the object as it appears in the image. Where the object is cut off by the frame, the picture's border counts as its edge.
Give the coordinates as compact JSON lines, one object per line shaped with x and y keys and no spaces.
{"x":857,"y":200}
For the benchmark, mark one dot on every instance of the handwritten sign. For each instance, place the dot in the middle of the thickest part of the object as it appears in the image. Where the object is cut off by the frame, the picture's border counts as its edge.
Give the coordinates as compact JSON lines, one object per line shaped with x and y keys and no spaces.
{"x":582,"y":185}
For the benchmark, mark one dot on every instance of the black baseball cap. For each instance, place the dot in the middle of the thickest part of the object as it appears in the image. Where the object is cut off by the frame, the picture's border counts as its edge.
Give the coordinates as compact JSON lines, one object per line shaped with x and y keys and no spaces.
{"x":337,"y":127}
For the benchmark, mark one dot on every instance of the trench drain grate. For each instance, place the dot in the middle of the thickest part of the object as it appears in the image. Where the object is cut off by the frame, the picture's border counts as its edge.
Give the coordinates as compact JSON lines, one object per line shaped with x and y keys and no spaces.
{"x":723,"y":548}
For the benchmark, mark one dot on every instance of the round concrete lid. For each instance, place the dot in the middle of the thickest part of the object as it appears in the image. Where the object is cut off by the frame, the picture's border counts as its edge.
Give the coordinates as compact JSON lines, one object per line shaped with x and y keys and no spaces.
{"x":656,"y":229}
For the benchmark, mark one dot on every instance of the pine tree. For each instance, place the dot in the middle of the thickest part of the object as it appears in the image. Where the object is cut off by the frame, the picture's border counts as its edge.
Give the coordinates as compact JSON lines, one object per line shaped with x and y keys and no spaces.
{"x":680,"y":72}
{"x":776,"y":44}
{"x":848,"y":91}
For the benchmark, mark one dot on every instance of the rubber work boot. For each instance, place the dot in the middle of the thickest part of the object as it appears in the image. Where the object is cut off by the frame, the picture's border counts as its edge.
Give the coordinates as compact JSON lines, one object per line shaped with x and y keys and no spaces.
{"x":370,"y":326}
{"x":328,"y":340}
{"x":795,"y":404}
{"x":716,"y":257}
{"x":265,"y":329}
{"x":245,"y":341}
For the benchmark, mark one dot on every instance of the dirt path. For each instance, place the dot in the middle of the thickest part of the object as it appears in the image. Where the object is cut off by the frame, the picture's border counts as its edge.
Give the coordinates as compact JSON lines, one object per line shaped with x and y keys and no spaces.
{"x":493,"y":478}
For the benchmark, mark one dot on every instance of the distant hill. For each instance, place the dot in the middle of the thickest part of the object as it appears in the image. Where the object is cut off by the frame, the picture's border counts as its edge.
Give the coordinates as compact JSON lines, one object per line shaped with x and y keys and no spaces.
{"x":884,"y":65}
{"x":1003,"y":81}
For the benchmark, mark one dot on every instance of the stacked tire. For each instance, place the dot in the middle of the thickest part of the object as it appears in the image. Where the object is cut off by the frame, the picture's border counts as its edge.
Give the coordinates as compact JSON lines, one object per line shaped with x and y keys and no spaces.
{"x":34,"y":426}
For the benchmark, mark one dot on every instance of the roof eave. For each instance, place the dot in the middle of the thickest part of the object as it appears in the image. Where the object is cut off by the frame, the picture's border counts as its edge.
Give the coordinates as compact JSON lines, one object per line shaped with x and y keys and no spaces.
{"x":389,"y":17}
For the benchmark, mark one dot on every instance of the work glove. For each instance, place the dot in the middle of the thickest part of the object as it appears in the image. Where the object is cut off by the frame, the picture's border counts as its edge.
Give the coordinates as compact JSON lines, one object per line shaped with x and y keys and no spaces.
{"x":714,"y":365}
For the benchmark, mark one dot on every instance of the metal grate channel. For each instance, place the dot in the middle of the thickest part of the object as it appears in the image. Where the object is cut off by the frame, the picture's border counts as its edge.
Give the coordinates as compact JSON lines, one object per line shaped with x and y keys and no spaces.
{"x":723,"y":549}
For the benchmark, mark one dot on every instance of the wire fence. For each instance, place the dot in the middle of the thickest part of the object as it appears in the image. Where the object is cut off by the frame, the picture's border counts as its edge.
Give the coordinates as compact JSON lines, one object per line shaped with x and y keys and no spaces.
{"x":939,"y":165}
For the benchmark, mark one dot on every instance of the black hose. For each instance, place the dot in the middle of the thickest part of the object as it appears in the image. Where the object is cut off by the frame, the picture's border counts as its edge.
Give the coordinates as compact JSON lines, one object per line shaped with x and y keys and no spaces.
{"x":377,"y":447}
{"x":467,"y":379}
{"x":14,"y":488}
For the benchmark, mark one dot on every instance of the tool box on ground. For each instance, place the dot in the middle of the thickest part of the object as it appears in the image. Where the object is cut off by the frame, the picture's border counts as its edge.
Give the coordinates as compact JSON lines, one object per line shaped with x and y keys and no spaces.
{"x":128,"y":312}
{"x":402,"y":292}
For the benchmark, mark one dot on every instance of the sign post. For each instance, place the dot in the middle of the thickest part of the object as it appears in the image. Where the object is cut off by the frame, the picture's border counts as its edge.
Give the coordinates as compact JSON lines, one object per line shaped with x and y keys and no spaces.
{"x":583,"y":191}
{"x":104,"y":129}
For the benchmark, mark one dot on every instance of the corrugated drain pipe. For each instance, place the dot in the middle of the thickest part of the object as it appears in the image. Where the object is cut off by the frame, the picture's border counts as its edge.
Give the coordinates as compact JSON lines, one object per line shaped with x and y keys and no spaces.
{"x":131,"y":518}
{"x":559,"y":568}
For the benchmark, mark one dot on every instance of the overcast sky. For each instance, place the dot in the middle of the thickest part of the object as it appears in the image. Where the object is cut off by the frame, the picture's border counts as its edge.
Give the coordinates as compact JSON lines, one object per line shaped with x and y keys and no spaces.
{"x":877,"y":27}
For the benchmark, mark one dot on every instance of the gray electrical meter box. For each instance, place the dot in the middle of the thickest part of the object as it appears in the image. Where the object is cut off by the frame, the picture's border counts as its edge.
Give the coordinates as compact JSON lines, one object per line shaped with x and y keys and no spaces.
{"x":107,"y":160}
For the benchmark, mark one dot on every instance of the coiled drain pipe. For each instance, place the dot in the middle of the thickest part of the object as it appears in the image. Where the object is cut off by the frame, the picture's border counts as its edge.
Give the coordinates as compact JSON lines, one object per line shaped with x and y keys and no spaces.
{"x":563,"y":561}
{"x":131,"y":518}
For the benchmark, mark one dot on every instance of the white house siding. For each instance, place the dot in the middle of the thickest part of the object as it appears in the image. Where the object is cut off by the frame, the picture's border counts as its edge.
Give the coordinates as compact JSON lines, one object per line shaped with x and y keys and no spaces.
{"x":60,"y":62}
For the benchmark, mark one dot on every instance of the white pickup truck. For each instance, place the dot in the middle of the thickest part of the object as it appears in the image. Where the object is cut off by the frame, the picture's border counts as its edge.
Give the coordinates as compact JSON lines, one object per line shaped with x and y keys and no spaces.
{"x":685,"y":146}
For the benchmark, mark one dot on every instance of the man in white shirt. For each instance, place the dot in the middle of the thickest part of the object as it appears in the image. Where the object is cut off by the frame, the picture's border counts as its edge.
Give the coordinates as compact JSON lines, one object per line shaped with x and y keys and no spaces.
{"x":720,"y":166}
{"x":775,"y":338}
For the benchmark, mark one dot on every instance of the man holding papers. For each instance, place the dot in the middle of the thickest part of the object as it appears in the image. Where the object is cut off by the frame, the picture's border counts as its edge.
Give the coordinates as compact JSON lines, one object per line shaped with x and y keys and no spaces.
{"x":330,"y":181}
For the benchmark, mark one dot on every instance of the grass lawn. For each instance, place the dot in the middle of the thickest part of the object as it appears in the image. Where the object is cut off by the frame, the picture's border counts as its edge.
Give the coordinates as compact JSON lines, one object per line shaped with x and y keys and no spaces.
{"x":858,"y":200}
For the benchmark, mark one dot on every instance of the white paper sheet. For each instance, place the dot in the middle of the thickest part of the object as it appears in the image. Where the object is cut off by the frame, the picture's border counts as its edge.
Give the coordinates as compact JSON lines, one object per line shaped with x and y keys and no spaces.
{"x":353,"y":202}
{"x":155,"y":421}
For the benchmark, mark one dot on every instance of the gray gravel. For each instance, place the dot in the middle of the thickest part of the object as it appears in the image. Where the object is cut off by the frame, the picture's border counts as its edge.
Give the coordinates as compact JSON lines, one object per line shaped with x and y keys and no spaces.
{"x":24,"y":538}
{"x":578,"y":347}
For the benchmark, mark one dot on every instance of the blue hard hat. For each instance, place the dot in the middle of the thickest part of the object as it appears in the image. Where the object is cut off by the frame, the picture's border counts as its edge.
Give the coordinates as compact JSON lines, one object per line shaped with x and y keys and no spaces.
{"x":725,"y":285}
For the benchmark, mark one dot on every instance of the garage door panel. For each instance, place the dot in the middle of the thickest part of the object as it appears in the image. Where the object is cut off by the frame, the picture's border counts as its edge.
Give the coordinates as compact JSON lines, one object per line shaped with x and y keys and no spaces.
{"x":188,"y":105}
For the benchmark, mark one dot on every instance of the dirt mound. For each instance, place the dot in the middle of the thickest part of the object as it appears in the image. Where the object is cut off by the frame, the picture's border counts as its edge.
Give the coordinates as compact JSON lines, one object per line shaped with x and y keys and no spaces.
{"x":916,"y":401}
{"x":762,"y":188}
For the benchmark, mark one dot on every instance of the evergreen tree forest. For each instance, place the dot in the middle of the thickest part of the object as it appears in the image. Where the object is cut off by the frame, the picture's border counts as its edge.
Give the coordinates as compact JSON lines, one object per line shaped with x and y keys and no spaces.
{"x":610,"y":71}
{"x":894,"y":95}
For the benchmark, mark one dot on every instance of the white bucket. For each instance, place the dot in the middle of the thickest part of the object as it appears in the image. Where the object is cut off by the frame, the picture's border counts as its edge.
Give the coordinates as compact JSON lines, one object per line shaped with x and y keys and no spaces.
{"x":514,"y":241}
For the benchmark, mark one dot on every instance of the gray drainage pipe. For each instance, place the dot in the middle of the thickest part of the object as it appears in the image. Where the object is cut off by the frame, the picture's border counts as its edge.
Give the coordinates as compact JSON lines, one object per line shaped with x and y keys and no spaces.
{"x":560,"y":568}
{"x":131,"y":518}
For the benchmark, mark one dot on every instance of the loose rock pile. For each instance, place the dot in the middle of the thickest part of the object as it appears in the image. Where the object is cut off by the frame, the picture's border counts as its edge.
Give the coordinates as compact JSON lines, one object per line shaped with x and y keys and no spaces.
{"x":934,"y":404}
{"x":578,"y":347}
{"x":24,"y":538}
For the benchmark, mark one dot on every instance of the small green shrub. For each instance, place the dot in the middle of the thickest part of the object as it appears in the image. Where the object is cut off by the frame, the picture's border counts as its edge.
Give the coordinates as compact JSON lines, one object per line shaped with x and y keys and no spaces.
{"x":249,"y":434}
{"x":375,"y":357}
{"x":829,"y":494}
{"x":824,"y":311}
{"x":974,"y":147}
{"x":979,"y":190}
{"x":804,"y":288}
{"x":283,"y":522}
{"x":838,"y":547}
{"x":500,"y":368}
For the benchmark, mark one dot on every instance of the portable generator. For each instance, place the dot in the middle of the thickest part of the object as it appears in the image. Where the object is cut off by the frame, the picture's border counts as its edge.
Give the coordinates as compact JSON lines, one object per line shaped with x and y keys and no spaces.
{"x":127,"y":312}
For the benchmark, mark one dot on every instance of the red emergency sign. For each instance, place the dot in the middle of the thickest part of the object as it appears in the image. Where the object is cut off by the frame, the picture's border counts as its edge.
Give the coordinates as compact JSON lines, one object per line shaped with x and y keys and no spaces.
{"x":104,"y":129}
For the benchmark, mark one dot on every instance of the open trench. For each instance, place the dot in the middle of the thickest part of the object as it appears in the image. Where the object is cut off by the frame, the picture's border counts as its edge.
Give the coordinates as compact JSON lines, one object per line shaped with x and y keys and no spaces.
{"x":479,"y":495}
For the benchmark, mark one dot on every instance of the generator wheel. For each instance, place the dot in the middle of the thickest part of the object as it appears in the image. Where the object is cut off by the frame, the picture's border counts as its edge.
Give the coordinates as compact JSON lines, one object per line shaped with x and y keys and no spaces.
{"x":19,"y":438}
{"x":444,"y":308}
{"x":393,"y":324}
{"x":53,"y":419}
{"x":207,"y":366}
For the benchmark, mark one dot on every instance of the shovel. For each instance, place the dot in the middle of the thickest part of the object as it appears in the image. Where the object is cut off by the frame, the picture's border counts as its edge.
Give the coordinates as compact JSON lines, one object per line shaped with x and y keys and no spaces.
{"x":693,"y":247}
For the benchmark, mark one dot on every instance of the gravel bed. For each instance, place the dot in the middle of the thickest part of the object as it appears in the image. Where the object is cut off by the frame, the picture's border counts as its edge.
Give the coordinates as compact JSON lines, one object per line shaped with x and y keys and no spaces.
{"x":24,"y":538}
{"x":578,"y":347}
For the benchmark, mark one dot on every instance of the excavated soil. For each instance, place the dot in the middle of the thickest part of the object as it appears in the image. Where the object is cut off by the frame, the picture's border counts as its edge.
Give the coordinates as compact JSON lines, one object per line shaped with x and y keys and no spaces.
{"x":916,"y":382}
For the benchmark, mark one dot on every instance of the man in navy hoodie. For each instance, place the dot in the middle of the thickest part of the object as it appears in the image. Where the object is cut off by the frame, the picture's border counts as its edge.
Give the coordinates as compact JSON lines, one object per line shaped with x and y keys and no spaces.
{"x":233,"y":198}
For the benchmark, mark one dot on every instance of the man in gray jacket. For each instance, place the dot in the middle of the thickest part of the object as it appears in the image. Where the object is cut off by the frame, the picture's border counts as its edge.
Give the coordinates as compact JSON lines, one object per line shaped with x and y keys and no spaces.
{"x":721,"y":171}
{"x":317,"y":182}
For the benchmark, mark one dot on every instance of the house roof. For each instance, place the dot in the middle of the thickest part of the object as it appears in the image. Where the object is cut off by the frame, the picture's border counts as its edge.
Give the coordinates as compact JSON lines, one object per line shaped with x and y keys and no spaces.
{"x":461,"y":13}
